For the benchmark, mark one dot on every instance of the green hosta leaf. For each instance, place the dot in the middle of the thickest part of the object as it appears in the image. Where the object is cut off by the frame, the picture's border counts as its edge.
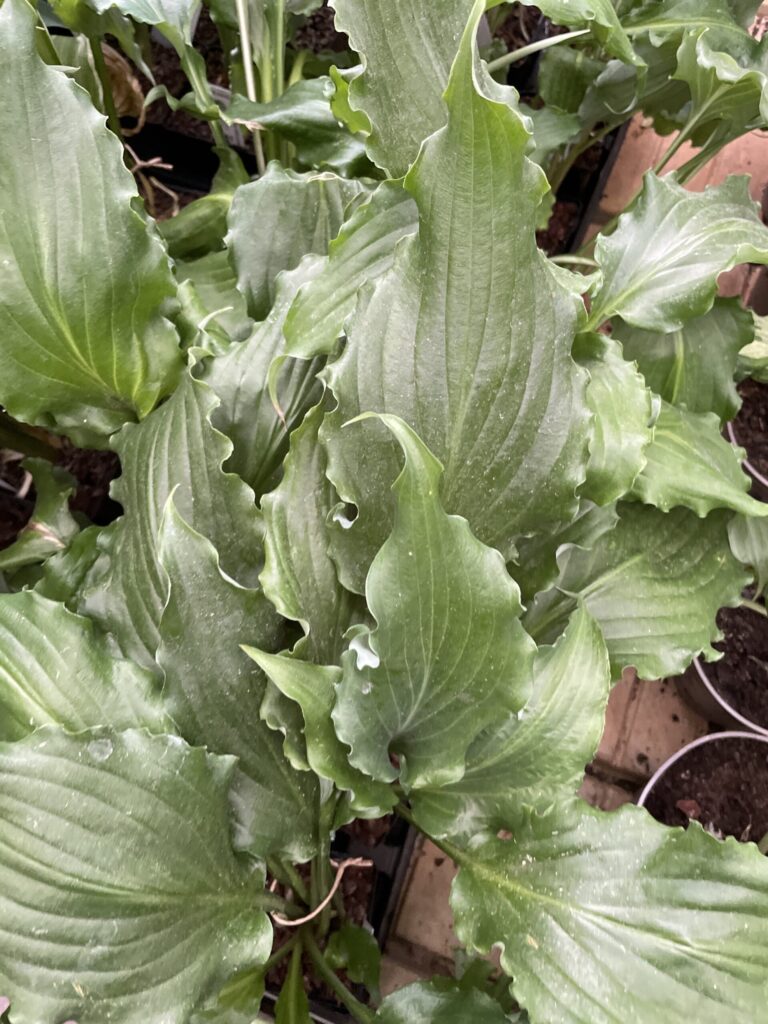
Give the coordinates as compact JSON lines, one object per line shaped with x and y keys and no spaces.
{"x":313,"y":688}
{"x":448,"y":653}
{"x":214,"y":282}
{"x":355,"y":951}
{"x":749,"y":543}
{"x":83,"y":338}
{"x":536,"y":560}
{"x":126,"y":856}
{"x":213,"y":691}
{"x":564,"y":76}
{"x":690,"y":463}
{"x":200,"y":227}
{"x":355,"y":120}
{"x":695,"y":365}
{"x":660,"y":266}
{"x":57,"y":669}
{"x":175,"y":18}
{"x":665,"y":19}
{"x":246,"y":414}
{"x":726,"y":73}
{"x":292,"y":1006}
{"x":400,"y":89}
{"x":597,"y":15}
{"x":303,"y":116}
{"x":525,"y":758}
{"x":605,"y":917}
{"x":51,"y":527}
{"x":622,"y":413}
{"x":439,"y":1002}
{"x":299,"y":577}
{"x":361,"y":252}
{"x":753,"y":361}
{"x":64,"y":574}
{"x":276,"y":220}
{"x":175,"y":451}
{"x":467,"y":338}
{"x":654,"y":585}
{"x":552,"y":128}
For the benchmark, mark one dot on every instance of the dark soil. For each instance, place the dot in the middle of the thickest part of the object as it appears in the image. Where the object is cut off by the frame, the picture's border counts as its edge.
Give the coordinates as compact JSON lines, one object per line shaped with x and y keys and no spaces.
{"x":751,"y":424}
{"x":560,"y":229}
{"x":741,"y":676}
{"x":723,"y":786}
{"x":94,"y":471}
{"x":319,"y":34}
{"x":15,"y":510}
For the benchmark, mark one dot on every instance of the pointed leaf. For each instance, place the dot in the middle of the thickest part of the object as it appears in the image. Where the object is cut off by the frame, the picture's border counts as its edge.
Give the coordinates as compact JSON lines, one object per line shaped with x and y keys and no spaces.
{"x":524,"y":759}
{"x":176,"y":450}
{"x":654,"y":584}
{"x":448,"y":652}
{"x":118,"y":844}
{"x":57,"y":669}
{"x":313,"y":688}
{"x":690,"y":463}
{"x":299,"y":577}
{"x":439,"y":1002}
{"x":598,"y":914}
{"x":621,"y":406}
{"x":276,"y":220}
{"x":695,"y":365}
{"x":467,"y":338}
{"x":400,"y":89}
{"x":215,"y":285}
{"x":302,"y":115}
{"x":292,"y":1006}
{"x":361,"y":252}
{"x":660,"y":266}
{"x":213,"y":691}
{"x":597,"y":15}
{"x":246,"y":414}
{"x":84,"y":359}
{"x":52,"y":526}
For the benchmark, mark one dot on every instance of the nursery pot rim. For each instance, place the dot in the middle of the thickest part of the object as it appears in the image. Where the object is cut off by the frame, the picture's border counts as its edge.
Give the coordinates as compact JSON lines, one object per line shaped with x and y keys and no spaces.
{"x":712,"y":737}
{"x":729,"y":712}
{"x":752,"y":470}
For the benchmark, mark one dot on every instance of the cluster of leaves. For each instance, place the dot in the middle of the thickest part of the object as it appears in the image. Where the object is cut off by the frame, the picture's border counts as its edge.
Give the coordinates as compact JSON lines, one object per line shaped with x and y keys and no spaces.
{"x":397,"y":508}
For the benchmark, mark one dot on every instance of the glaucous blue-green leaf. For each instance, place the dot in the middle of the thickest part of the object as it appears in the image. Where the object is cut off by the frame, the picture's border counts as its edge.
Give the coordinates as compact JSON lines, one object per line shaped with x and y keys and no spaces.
{"x":175,"y":451}
{"x":654,"y":584}
{"x":214,"y":282}
{"x":126,"y":856}
{"x":299,"y":576}
{"x":361,"y":252}
{"x":695,"y":365}
{"x":749,"y":543}
{"x":246,"y":414}
{"x":57,"y":669}
{"x":526,"y":758}
{"x":447,"y":655}
{"x":621,"y":418}
{"x":606,"y":917}
{"x":598,"y":15}
{"x":85,"y":284}
{"x":52,"y":525}
{"x":660,"y":266}
{"x":213,"y":691}
{"x":276,"y":220}
{"x":535,"y":565}
{"x":303,"y":116}
{"x":467,"y":338}
{"x":439,"y":1002}
{"x":313,"y":689}
{"x":405,"y":72}
{"x":690,"y":463}
{"x":201,"y":226}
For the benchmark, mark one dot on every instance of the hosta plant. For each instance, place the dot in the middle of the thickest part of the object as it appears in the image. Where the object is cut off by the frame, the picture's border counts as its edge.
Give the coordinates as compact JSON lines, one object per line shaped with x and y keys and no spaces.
{"x":401,"y":497}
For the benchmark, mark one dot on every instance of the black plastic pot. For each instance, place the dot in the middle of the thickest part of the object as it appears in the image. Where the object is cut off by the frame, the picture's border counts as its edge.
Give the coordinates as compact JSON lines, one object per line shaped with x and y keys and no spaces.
{"x":699,"y":691}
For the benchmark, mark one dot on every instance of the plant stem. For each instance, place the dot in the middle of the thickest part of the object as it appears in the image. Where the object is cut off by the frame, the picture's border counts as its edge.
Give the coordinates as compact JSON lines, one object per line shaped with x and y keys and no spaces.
{"x":113,"y":121}
{"x":250,"y":81}
{"x":297,"y":68}
{"x":278,"y":48}
{"x":360,"y":1012}
{"x":280,"y":954}
{"x":25,"y":440}
{"x":526,"y":51}
{"x":297,"y":883}
{"x":754,"y":606}
{"x":456,"y":854}
{"x":580,"y":261}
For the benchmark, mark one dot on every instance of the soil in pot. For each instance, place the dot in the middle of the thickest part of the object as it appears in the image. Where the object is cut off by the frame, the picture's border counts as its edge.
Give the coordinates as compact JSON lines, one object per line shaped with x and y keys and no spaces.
{"x":16,"y":505}
{"x":741,"y":676}
{"x":723,"y":786}
{"x":750,"y":426}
